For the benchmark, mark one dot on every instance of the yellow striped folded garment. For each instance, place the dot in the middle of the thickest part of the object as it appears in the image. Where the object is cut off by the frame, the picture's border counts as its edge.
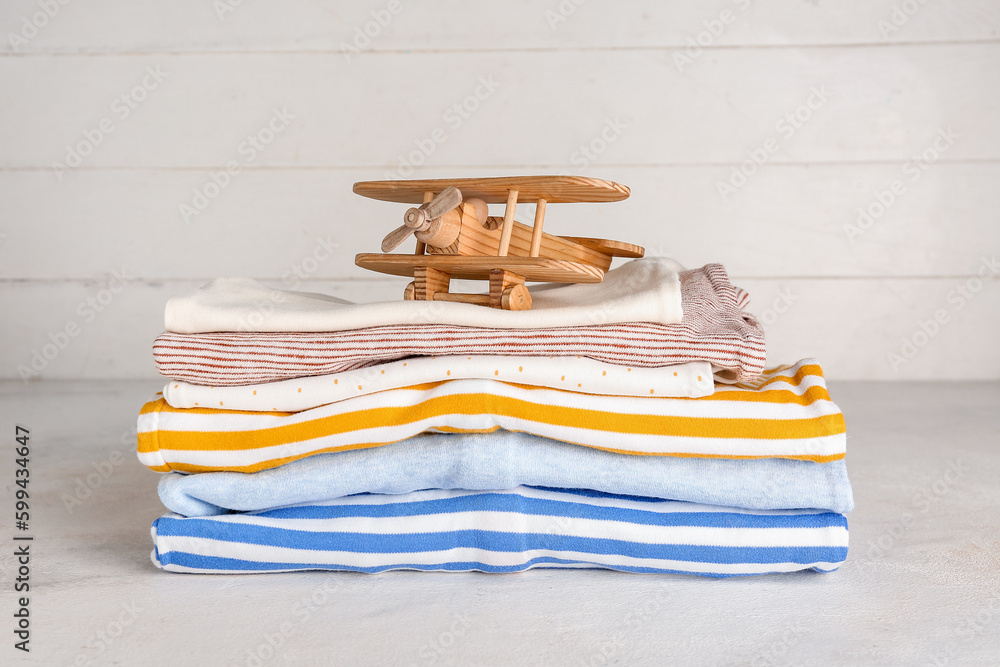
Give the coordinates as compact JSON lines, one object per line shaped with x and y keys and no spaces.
{"x":785,"y":413}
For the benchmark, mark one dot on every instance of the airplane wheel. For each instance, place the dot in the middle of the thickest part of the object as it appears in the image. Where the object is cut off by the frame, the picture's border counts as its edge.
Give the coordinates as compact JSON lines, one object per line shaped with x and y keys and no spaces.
{"x":516,"y":298}
{"x":408,"y":293}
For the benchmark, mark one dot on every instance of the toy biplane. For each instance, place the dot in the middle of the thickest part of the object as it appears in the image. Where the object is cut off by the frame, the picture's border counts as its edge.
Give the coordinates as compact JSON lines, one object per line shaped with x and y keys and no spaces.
{"x":457,"y":238}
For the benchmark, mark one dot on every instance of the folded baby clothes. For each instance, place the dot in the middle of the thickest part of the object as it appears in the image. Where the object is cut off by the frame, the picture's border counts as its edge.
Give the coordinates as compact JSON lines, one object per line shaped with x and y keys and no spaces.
{"x":503,"y":531}
{"x":715,"y":328}
{"x":505,"y":460}
{"x":691,"y":380}
{"x":643,"y":290}
{"x":625,"y":425}
{"x":786,"y":413}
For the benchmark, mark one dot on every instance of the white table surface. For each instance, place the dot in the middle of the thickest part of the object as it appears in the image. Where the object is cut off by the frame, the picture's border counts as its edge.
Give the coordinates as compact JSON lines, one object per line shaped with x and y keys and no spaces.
{"x":921,"y":585}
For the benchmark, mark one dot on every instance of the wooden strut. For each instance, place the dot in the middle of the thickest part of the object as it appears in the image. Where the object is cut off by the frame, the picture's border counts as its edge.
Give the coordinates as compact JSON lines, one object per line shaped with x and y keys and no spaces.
{"x":536,"y":229}
{"x":508,"y":223}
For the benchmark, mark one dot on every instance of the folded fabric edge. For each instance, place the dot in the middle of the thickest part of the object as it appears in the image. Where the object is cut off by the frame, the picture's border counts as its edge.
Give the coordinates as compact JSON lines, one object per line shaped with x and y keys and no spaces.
{"x":216,"y":560}
{"x":187,"y":313}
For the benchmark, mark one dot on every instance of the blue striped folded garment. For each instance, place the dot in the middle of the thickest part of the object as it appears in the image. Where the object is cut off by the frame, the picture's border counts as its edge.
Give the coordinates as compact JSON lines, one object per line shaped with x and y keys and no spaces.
{"x":503,"y":531}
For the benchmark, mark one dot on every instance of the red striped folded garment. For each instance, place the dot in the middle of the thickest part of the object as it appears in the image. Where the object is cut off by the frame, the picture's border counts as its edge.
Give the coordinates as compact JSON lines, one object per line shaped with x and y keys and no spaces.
{"x":714,"y":328}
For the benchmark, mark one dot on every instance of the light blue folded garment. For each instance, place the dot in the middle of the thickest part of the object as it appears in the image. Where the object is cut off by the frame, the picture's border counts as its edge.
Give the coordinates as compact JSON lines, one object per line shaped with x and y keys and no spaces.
{"x":505,"y":460}
{"x":503,"y":531}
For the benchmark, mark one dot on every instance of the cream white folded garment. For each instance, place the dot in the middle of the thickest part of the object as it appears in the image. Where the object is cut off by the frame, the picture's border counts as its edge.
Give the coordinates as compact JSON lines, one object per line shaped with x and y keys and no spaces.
{"x":643,"y":290}
{"x":579,"y":374}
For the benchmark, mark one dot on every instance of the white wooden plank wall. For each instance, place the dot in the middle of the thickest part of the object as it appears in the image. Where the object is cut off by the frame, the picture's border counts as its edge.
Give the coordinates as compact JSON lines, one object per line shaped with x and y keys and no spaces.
{"x":114,"y":114}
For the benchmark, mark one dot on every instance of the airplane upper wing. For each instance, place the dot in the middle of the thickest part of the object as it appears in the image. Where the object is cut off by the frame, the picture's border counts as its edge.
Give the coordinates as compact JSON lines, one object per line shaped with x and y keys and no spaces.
{"x":554,"y":189}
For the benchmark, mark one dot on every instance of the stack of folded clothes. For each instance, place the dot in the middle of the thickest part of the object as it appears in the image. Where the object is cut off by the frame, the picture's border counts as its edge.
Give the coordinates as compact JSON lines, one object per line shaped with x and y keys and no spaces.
{"x":627,"y":425}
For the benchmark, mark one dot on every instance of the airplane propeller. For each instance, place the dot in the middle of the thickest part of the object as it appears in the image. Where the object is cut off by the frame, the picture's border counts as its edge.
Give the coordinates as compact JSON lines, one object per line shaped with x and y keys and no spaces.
{"x":417,"y":220}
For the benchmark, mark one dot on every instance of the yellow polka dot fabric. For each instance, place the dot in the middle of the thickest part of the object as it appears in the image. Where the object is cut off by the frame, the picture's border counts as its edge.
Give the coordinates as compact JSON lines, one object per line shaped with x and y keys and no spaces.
{"x":690,"y":380}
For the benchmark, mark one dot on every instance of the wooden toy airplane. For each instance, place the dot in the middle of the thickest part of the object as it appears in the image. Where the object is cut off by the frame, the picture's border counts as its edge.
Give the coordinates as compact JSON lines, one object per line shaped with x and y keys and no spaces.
{"x":457,"y":238}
